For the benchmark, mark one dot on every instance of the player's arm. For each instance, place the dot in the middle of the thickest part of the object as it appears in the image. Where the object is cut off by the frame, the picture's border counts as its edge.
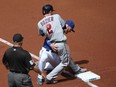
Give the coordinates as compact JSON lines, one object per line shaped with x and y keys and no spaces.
{"x":41,"y":33}
{"x":40,"y":30}
{"x":5,"y":61}
{"x":51,"y":45}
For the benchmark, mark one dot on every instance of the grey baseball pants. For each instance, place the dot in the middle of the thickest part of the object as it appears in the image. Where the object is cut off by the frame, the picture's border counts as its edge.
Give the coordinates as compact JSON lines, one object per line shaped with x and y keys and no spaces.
{"x":19,"y":80}
{"x":64,"y":53}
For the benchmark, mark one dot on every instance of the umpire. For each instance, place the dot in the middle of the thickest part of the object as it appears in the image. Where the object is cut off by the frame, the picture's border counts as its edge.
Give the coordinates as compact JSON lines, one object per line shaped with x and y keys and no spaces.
{"x":19,"y":62}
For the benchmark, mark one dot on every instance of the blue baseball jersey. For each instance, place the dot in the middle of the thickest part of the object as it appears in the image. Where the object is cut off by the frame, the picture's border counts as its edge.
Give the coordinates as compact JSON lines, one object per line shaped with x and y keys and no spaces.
{"x":46,"y":44}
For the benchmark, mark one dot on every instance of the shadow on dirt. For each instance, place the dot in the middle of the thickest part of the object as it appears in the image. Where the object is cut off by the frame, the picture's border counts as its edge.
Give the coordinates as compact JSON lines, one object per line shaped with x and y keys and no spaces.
{"x":82,"y":62}
{"x":70,"y":75}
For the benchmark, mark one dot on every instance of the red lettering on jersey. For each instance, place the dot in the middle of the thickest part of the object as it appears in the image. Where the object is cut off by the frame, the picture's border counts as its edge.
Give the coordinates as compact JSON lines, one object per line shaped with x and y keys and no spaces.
{"x":48,"y":26}
{"x":47,"y":20}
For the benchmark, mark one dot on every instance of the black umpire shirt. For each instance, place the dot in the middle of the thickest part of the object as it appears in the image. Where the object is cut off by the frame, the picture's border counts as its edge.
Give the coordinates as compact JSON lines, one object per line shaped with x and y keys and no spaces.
{"x":18,"y":60}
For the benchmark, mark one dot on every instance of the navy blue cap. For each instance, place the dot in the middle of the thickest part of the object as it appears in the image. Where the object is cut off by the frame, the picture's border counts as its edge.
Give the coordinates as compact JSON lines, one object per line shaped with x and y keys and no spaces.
{"x":17,"y":38}
{"x":71,"y":24}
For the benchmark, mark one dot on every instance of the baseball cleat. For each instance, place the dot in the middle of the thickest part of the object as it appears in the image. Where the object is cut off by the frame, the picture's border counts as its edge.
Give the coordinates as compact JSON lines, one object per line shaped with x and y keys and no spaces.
{"x":67,"y":73}
{"x":81,"y":70}
{"x":40,"y":80}
{"x":53,"y":81}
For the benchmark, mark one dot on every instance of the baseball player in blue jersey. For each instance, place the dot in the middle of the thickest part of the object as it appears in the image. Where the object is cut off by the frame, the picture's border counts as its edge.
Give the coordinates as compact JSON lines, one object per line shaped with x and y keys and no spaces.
{"x":51,"y":27}
{"x":46,"y":56}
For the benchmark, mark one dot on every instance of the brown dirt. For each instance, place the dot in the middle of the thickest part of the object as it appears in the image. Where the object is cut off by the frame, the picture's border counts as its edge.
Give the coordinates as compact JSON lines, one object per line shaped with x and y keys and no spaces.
{"x":93,"y":45}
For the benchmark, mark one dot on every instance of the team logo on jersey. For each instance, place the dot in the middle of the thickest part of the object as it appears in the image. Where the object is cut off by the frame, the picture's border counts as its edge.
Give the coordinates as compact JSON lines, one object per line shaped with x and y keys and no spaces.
{"x":14,"y":49}
{"x":31,"y":62}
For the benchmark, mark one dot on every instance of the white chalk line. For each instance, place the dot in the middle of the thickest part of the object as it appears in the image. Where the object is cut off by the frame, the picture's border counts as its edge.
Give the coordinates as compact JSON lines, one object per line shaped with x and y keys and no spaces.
{"x":90,"y":84}
{"x":36,"y":57}
{"x":10,"y":44}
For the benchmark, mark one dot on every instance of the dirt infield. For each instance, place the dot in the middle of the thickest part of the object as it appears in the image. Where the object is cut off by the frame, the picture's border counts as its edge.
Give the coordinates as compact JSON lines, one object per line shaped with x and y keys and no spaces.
{"x":93,"y":45}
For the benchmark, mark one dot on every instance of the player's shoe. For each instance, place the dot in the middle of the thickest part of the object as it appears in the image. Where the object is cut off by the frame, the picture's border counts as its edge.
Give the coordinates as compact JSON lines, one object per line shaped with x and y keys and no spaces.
{"x":67,"y":73}
{"x":40,"y":80}
{"x":53,"y":81}
{"x":81,"y":70}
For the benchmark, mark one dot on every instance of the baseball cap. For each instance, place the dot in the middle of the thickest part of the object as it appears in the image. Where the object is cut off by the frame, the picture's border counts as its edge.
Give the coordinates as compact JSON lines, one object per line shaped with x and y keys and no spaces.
{"x":47,"y":8}
{"x":71,"y":24}
{"x":17,"y":38}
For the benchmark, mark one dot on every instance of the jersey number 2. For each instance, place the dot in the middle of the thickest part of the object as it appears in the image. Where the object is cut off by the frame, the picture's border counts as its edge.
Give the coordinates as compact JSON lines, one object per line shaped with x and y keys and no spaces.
{"x":48,"y":26}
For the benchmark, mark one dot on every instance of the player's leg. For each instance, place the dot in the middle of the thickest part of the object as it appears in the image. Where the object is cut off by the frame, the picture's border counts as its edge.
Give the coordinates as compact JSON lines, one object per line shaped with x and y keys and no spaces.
{"x":48,"y":67}
{"x":48,"y":60}
{"x":42,"y":61}
{"x":75,"y":67}
{"x":41,"y":65}
{"x":54,"y":59}
{"x":60,"y":67}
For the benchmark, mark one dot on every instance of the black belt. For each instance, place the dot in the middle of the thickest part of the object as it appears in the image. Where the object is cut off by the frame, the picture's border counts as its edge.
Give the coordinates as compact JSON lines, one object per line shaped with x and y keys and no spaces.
{"x":58,"y":41}
{"x":18,"y":72}
{"x":50,"y":50}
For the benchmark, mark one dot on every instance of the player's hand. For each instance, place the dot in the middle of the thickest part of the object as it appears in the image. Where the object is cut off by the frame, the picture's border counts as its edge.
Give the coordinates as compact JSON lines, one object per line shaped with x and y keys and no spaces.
{"x":54,"y":47}
{"x":68,"y":29}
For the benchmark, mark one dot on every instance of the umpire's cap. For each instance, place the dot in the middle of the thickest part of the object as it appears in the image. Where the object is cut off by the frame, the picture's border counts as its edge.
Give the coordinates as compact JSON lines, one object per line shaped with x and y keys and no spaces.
{"x":71,"y":24}
{"x":17,"y":38}
{"x":47,"y":8}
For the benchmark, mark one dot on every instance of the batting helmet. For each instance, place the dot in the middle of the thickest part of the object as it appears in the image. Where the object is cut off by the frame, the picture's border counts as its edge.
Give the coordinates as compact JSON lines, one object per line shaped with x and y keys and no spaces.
{"x":47,"y":8}
{"x":71,"y":24}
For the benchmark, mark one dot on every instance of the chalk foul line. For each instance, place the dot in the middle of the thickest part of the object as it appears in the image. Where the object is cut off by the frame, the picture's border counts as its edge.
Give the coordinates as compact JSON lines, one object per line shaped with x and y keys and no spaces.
{"x":10,"y":44}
